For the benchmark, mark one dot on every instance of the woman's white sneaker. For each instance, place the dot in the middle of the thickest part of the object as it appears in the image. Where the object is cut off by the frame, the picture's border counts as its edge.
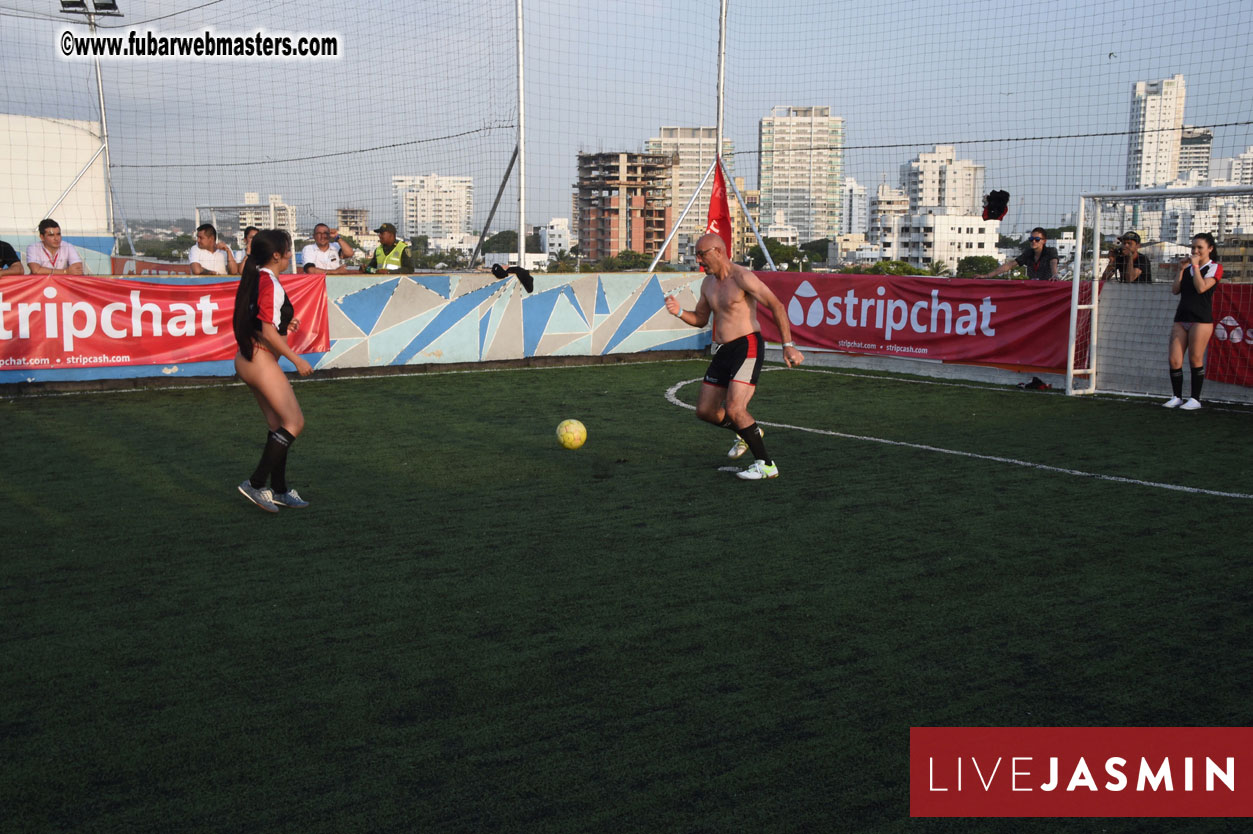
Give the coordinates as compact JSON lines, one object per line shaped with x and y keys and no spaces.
{"x":263,"y":497}
{"x":290,"y":499}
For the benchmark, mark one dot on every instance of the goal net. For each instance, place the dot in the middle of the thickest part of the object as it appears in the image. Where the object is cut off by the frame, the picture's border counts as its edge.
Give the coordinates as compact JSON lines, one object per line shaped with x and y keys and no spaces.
{"x":1120,"y":327}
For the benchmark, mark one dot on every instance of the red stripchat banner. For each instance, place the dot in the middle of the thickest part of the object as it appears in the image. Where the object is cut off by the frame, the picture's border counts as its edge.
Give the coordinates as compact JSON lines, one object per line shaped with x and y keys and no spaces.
{"x":1231,"y":347}
{"x":72,"y":321}
{"x":1080,"y":771}
{"x":1018,"y":323}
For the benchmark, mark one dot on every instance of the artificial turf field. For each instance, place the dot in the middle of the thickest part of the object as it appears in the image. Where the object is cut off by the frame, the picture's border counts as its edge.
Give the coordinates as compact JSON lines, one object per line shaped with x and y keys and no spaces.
{"x":473,"y":629}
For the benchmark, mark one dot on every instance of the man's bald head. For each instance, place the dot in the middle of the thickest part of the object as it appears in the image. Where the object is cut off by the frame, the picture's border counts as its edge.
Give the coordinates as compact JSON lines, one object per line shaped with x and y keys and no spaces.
{"x":711,"y":241}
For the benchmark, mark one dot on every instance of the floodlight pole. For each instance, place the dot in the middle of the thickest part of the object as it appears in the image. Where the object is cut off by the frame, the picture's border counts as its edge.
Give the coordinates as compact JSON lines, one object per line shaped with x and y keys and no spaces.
{"x":104,"y":128}
{"x":722,"y":68}
{"x":718,"y":161}
{"x":104,"y":138}
{"x":521,"y":151}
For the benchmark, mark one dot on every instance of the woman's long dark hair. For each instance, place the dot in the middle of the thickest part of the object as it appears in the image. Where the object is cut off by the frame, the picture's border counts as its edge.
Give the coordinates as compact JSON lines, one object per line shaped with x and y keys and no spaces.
{"x":267,"y":244}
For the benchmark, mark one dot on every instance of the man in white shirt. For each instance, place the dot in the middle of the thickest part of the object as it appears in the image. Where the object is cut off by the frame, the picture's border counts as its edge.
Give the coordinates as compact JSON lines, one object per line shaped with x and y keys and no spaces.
{"x":211,"y":256}
{"x":327,"y":251}
{"x":52,"y":257}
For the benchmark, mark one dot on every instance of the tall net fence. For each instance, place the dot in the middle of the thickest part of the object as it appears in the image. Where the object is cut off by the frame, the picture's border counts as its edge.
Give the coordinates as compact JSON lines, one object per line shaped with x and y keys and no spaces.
{"x":839,"y":118}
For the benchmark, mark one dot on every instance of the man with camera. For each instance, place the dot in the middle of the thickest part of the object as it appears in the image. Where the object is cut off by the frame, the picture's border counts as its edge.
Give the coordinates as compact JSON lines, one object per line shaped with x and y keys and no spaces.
{"x":1126,"y":260}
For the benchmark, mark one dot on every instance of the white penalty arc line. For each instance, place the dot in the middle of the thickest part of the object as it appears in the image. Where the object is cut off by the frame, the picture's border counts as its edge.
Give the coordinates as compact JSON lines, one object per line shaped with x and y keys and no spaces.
{"x":672,"y":397}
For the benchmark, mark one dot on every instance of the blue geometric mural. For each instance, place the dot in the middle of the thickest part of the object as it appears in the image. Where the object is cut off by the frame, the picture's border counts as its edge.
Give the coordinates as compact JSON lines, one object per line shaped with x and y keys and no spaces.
{"x":475,"y":318}
{"x":421,"y":319}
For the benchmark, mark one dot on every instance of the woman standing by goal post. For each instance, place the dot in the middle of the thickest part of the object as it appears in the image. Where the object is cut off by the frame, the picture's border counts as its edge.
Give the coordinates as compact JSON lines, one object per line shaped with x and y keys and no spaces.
{"x":1194,"y":319}
{"x":263,"y":318}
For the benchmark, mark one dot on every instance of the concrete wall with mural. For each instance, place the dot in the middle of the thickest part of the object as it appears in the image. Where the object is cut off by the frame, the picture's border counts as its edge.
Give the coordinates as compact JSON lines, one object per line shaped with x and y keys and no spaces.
{"x":378,"y":320}
{"x":420,"y":319}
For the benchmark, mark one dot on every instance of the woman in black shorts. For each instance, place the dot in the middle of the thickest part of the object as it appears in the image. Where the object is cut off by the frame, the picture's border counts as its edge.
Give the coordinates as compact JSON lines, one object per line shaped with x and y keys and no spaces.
{"x":1194,"y":319}
{"x":263,"y":318}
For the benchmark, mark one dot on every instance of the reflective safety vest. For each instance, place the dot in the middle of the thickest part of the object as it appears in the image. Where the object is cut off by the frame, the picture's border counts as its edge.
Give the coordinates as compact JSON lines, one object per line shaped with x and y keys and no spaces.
{"x":391,"y":260}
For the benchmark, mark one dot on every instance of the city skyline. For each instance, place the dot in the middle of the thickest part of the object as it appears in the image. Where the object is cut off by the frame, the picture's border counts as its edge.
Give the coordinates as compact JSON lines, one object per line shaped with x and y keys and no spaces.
{"x":178,"y":137}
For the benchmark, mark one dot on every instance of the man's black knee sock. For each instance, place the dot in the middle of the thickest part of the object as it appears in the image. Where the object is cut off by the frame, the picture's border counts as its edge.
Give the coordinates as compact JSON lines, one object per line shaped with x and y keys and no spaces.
{"x":727,"y":424}
{"x":1176,"y":381}
{"x":276,"y":443}
{"x":752,"y":436}
{"x":1198,"y":379}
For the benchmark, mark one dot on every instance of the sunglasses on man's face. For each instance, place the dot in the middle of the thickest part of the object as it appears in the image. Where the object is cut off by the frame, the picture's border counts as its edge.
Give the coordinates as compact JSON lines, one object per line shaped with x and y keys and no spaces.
{"x":1036,"y":239}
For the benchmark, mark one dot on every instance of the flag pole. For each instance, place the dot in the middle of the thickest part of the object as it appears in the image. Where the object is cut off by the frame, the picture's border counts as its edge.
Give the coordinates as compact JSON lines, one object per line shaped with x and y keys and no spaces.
{"x":751,"y":222}
{"x":674,"y":230}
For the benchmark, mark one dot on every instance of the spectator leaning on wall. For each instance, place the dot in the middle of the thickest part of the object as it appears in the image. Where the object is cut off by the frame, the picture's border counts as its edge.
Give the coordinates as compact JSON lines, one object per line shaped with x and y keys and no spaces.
{"x":50,"y":256}
{"x":10,"y":263}
{"x":1037,"y":258}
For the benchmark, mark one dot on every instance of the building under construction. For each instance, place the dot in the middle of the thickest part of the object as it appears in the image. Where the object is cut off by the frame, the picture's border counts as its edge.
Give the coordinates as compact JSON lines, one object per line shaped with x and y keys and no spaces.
{"x":625,"y":201}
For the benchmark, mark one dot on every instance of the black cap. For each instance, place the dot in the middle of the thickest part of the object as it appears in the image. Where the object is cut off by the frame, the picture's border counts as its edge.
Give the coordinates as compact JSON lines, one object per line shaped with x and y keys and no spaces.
{"x":1131,"y":236}
{"x":386,"y":227}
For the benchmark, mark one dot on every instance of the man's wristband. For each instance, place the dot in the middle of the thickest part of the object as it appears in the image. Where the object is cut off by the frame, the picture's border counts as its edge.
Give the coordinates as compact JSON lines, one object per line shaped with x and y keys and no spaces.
{"x":789,"y":344}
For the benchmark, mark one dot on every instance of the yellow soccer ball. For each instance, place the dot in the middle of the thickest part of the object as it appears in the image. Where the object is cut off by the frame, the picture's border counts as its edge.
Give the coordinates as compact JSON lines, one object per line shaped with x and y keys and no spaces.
{"x":571,"y":433}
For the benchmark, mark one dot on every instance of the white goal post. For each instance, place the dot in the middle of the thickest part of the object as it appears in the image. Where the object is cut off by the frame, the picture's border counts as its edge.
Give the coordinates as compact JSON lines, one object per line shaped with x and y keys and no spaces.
{"x":1118,"y":333}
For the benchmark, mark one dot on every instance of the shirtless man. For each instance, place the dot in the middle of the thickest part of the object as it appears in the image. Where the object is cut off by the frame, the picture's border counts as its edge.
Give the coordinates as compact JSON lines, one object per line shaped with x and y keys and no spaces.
{"x":732,"y":293}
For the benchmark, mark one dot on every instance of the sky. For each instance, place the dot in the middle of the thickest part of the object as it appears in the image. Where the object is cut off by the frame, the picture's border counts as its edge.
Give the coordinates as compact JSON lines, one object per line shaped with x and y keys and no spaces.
{"x":432,"y":88}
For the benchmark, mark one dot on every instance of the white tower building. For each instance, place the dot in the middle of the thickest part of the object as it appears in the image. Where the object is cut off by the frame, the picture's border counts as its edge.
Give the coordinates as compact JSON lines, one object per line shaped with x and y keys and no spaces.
{"x":801,"y":158}
{"x":433,"y":205}
{"x":1156,"y":128}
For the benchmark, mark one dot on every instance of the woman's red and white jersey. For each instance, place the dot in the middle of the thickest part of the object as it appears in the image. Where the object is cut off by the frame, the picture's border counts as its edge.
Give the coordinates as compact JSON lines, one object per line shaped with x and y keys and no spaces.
{"x":270,"y":298}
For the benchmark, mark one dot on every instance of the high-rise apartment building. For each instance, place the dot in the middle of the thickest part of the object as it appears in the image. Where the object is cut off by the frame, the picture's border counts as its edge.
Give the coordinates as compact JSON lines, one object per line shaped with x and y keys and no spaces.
{"x":695,"y":148}
{"x":1155,"y":127}
{"x":1194,"y":151}
{"x":801,"y":173}
{"x":856,"y":208}
{"x":887,"y":207}
{"x":433,"y":205}
{"x":1241,"y":168}
{"x":939,"y":180}
{"x":625,"y":201}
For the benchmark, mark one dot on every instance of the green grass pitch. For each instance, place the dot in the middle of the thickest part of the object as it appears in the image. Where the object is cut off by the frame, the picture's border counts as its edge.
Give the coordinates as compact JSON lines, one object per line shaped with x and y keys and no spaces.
{"x":473,"y":629}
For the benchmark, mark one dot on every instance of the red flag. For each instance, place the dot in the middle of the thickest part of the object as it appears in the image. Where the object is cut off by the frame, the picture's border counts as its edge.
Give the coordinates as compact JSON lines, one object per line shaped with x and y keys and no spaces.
{"x":719,"y":214}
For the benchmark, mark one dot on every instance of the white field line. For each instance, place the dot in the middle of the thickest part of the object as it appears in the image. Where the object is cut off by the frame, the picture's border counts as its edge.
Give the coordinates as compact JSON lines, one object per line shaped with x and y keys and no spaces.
{"x":672,"y":397}
{"x":994,"y":386}
{"x":324,"y":379}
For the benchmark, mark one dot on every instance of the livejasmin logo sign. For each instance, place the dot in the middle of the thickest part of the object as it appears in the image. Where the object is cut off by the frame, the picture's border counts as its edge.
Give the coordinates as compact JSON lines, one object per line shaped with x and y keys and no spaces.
{"x":1020,"y":774}
{"x":1080,"y":771}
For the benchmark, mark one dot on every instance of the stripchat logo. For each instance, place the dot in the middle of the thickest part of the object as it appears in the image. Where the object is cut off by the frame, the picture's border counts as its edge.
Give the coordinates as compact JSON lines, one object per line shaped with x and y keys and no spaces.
{"x":1229,"y":329}
{"x":1081,"y":771}
{"x":798,"y":314}
{"x":930,"y":314}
